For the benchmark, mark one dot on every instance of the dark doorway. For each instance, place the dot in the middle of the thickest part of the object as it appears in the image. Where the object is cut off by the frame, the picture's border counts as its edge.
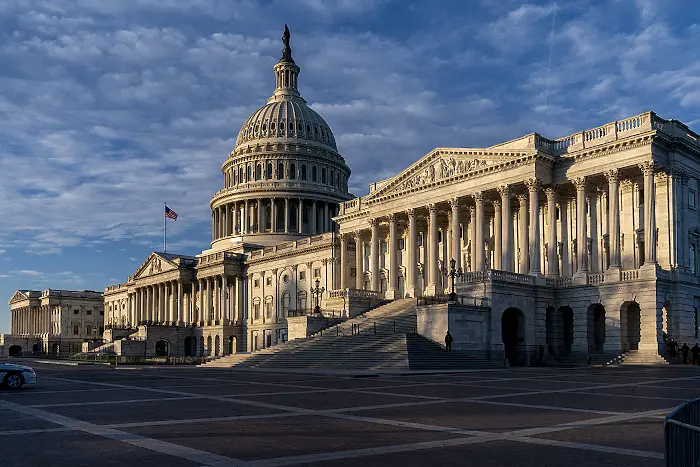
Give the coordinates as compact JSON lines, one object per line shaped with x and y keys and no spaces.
{"x":513,"y":336}
{"x":596,"y":327}
{"x":567,"y":322}
{"x":36,"y":348}
{"x":269,"y":340}
{"x":232,"y":345}
{"x":189,"y":346}
{"x":162,"y":348}
{"x":633,"y":322}
{"x":55,"y":349}
{"x":15,"y":351}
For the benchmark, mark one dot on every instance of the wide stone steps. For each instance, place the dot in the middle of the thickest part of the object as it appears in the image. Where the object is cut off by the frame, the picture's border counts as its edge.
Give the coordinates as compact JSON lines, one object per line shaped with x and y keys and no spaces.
{"x":382,"y":339}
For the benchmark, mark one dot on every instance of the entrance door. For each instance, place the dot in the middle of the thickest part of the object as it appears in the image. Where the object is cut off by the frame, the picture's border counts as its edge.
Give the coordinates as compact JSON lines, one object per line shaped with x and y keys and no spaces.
{"x":599,"y":328}
{"x":513,"y":336}
{"x":633,"y":326}
{"x":162,"y":348}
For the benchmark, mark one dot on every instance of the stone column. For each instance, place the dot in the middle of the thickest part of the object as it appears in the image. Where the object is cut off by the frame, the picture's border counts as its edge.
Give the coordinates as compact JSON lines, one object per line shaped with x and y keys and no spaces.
{"x":181,"y":307}
{"x":200,"y":288}
{"x":613,"y":177}
{"x":213,"y":225}
{"x":314,"y":223}
{"x":412,"y":255}
{"x":216,"y":301}
{"x":497,"y":235}
{"x":326,"y":218}
{"x":552,"y":256}
{"x":261,"y":218}
{"x":564,"y":222}
{"x":648,"y":170}
{"x":507,"y":229}
{"x":374,"y":254}
{"x":286,"y":215}
{"x":392,"y":287}
{"x":344,"y":261}
{"x":533,"y":187}
{"x":224,"y":300}
{"x":300,"y":216}
{"x":581,"y":227}
{"x":273,"y":215}
{"x":225,"y":219}
{"x":359,"y":260}
{"x":456,"y":241}
{"x":480,"y":248}
{"x":523,"y":232}
{"x":245,"y":217}
{"x":433,"y":251}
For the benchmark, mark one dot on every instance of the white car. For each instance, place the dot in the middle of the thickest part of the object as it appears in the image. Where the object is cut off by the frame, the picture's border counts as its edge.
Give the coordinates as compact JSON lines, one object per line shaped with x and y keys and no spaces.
{"x":15,"y":376}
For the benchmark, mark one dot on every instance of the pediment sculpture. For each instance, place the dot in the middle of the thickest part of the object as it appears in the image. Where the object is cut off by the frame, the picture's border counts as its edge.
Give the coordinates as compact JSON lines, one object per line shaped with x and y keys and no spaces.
{"x":156,"y":266}
{"x":441,"y":169}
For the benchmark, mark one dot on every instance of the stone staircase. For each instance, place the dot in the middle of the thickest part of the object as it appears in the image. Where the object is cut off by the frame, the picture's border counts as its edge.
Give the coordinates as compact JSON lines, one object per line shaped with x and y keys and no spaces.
{"x":381,"y":339}
{"x":642,"y":357}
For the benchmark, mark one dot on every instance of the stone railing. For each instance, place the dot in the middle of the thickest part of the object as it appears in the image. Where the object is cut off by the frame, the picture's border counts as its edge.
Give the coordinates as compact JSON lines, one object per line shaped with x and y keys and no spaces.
{"x":255,"y":186}
{"x":73,"y":293}
{"x":497,"y":275}
{"x":216,"y":257}
{"x":474,"y":276}
{"x":352,"y":205}
{"x":595,"y":279}
{"x":115,"y":288}
{"x":629,"y":275}
{"x":558,"y":282}
{"x":293,"y":245}
{"x":359,"y":293}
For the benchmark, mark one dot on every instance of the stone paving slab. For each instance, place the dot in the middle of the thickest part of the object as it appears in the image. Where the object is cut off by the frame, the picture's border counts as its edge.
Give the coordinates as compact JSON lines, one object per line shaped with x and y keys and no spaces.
{"x":590,"y":401}
{"x":10,"y":421}
{"x":161,"y":410}
{"x":260,"y":439}
{"x":494,"y":453}
{"x":474,"y":416}
{"x":646,"y":434}
{"x":332,"y":400}
{"x":451,"y":391}
{"x":46,"y":395}
{"x":77,"y":449}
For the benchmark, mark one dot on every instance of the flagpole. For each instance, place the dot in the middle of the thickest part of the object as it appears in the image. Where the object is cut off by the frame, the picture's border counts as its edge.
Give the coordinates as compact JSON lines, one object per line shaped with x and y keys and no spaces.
{"x":165,"y":229}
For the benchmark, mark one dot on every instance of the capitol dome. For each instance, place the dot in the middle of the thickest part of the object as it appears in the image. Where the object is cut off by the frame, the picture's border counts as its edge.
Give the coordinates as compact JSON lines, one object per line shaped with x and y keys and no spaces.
{"x":284,"y":178}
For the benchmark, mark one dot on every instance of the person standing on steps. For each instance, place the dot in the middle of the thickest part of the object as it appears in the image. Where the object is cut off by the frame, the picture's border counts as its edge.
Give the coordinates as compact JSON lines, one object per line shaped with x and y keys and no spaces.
{"x":684,"y":350}
{"x":448,"y":341}
{"x":695,"y":351}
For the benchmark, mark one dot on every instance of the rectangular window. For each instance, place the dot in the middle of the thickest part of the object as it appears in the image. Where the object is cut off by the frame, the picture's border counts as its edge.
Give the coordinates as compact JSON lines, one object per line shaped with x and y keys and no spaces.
{"x":419,"y":240}
{"x":76,"y":329}
{"x":641,"y":196}
{"x":317,"y":272}
{"x":384,"y":248}
{"x":88,"y":331}
{"x":353,"y":272}
{"x":691,"y":199}
{"x":268,"y":309}
{"x":302,"y":275}
{"x":89,"y":312}
{"x":102,"y":312}
{"x":268,"y":281}
{"x":76,"y":312}
{"x":401,"y":244}
{"x":256,"y":283}
{"x":256,"y":310}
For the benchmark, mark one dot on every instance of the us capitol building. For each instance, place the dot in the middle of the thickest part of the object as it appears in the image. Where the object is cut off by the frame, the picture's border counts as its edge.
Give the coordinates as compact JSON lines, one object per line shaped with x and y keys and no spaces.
{"x":569,"y":246}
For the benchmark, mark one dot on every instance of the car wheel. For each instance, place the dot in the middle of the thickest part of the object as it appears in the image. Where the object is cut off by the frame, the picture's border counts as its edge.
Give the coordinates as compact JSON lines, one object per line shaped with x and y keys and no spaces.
{"x":13,"y":381}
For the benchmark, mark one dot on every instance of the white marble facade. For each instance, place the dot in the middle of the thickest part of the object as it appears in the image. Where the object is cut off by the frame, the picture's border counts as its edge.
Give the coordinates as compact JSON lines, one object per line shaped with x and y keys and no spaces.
{"x":578,"y":244}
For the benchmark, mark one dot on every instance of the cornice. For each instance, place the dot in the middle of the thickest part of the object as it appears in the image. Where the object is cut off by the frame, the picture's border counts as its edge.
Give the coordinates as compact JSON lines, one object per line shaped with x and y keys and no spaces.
{"x":290,"y":253}
{"x":604,"y":150}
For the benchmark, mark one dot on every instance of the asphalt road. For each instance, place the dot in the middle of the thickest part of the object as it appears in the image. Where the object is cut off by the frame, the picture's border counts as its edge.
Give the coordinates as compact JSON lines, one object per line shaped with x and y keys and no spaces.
{"x":177,"y":416}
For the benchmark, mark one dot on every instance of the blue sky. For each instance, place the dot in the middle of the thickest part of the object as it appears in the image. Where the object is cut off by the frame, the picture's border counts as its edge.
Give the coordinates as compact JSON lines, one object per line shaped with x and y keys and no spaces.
{"x":109,"y":108}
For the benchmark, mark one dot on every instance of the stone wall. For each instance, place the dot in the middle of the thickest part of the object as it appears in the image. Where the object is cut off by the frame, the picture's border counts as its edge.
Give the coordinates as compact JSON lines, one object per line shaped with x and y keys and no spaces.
{"x":469,"y":326}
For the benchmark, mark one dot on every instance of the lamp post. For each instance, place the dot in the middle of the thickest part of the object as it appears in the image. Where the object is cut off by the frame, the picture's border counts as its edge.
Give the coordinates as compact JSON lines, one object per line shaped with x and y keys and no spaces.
{"x":453,"y":274}
{"x":317,"y":291}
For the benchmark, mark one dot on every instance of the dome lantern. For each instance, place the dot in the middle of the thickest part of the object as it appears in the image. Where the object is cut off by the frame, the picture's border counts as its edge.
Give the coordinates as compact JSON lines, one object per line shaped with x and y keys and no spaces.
{"x":286,"y":71}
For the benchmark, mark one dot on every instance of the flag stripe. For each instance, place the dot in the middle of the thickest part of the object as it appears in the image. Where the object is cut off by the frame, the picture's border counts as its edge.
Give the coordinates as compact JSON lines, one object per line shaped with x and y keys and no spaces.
{"x":170,"y":213}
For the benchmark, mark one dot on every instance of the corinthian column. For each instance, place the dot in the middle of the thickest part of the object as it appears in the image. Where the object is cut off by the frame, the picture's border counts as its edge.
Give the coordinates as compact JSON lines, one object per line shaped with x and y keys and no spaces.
{"x":456,"y":244}
{"x":391,"y":289}
{"x":581,"y":227}
{"x":433,"y":253}
{"x":412,"y":260}
{"x":497,"y":235}
{"x":507,"y":229}
{"x":480,"y":250}
{"x":522,"y":231}
{"x":552,"y":256}
{"x":648,"y":168}
{"x":359,"y":261}
{"x":613,"y":177}
{"x":533,"y":187}
{"x":344,"y":261}
{"x":374,"y":254}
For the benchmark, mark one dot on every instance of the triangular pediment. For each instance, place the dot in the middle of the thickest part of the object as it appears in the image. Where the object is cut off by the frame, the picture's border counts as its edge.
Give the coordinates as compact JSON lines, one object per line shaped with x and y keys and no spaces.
{"x":18,"y":296}
{"x":155,"y":264}
{"x":442,"y":165}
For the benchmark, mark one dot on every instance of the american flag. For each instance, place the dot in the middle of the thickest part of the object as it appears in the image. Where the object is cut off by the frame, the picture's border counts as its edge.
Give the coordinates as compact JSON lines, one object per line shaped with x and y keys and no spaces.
{"x":170,"y":213}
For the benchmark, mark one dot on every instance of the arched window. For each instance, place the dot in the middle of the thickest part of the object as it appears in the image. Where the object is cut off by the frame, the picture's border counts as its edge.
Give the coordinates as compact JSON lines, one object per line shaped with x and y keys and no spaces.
{"x":258,"y":172}
{"x":269,"y":171}
{"x":337,"y":180}
{"x":323,"y":175}
{"x":280,"y":170}
{"x":313,"y":173}
{"x":240,"y":175}
{"x":692,"y":259}
{"x":248,"y":174}
{"x":303,"y":171}
{"x":293,"y":171}
{"x":331,"y":178}
{"x":272,"y":127}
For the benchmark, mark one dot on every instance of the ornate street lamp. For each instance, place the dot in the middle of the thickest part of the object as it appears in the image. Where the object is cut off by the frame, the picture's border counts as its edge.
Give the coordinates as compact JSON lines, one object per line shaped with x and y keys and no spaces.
{"x":317,"y":292}
{"x":453,"y":274}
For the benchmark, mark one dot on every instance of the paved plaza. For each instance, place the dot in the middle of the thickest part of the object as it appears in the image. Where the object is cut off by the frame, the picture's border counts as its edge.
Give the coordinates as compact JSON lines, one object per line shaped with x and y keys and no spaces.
{"x":176,"y":416}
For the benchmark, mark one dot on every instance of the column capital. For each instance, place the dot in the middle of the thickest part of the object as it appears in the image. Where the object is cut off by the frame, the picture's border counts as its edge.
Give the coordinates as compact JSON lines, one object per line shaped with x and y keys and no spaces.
{"x":496,"y":203}
{"x":432,"y":207}
{"x":522,"y":197}
{"x":454,"y":203}
{"x":551,"y":191}
{"x":411,"y":212}
{"x":504,"y":190}
{"x":391,"y":217}
{"x":478,"y":196}
{"x":358,"y":234}
{"x":648,"y":167}
{"x":579,"y":183}
{"x":613,"y":175}
{"x":533,"y":184}
{"x":373,"y":222}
